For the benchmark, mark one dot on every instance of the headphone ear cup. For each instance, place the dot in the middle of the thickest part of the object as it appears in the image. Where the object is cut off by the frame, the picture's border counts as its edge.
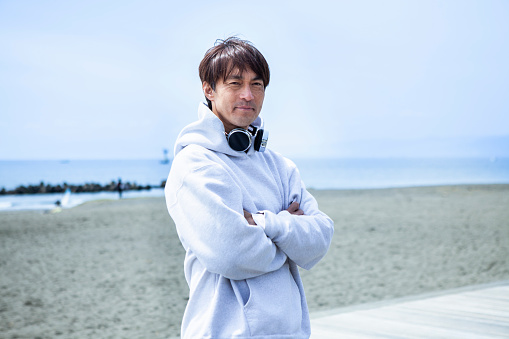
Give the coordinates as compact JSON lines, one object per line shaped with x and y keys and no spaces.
{"x":260,"y":142}
{"x":239,"y":139}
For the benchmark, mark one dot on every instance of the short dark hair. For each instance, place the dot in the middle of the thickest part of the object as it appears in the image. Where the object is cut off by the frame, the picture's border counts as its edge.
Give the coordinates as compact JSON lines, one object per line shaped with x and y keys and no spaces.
{"x":228,"y":55}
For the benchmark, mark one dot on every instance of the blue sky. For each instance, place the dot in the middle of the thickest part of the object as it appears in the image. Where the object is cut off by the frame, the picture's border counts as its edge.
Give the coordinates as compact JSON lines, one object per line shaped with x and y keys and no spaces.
{"x":119,"y":79}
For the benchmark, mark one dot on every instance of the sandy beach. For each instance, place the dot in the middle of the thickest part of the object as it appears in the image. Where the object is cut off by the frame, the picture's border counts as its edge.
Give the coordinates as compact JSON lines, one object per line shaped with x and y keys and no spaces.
{"x":114,"y":269}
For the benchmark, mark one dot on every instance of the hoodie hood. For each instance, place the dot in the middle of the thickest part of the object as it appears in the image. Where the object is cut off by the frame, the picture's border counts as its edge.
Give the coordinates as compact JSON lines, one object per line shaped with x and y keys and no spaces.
{"x":208,"y":131}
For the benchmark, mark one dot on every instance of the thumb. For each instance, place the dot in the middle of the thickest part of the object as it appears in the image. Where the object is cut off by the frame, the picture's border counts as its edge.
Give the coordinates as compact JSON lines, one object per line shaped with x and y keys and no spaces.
{"x":294,"y":206}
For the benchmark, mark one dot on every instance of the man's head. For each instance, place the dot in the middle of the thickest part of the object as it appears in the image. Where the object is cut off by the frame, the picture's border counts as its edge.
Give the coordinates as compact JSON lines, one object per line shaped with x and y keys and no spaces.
{"x":234,"y":76}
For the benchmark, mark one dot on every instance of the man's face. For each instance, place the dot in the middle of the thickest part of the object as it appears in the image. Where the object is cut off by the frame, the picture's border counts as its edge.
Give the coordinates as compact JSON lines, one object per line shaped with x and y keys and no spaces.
{"x":238,"y":100}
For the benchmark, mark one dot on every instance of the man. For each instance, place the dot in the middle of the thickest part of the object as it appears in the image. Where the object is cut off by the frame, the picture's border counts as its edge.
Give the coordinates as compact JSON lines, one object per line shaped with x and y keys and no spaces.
{"x":242,"y":214}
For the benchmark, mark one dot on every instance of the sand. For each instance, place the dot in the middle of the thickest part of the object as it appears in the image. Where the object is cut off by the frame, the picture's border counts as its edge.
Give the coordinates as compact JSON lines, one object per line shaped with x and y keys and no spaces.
{"x":113,"y":269}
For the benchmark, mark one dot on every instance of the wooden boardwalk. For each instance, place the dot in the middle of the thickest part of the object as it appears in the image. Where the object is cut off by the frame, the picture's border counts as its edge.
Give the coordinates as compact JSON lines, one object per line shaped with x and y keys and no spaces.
{"x":476,"y":312}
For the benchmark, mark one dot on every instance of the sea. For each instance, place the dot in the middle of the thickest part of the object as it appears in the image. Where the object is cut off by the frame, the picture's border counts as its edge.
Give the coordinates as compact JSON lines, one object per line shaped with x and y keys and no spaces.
{"x":342,"y":173}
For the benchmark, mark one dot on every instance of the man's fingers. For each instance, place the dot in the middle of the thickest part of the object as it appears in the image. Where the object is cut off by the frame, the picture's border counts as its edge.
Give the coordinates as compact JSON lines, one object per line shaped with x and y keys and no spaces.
{"x":295,"y":209}
{"x":294,"y":206}
{"x":249,"y":218}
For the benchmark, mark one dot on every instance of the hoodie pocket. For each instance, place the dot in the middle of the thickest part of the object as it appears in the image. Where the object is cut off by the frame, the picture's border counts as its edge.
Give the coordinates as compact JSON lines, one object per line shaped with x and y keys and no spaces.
{"x":242,"y":291}
{"x":274,"y":304}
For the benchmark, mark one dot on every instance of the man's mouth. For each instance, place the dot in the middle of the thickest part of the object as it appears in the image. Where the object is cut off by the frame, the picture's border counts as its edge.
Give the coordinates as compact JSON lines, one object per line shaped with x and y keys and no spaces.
{"x":245,"y":108}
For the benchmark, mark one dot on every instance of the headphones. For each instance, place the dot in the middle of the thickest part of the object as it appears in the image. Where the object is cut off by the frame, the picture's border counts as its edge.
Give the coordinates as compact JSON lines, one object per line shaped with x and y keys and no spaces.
{"x":241,"y":139}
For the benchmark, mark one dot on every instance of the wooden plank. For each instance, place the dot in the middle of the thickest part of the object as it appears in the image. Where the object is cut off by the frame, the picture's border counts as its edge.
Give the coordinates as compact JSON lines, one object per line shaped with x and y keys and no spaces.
{"x":482,"y":313}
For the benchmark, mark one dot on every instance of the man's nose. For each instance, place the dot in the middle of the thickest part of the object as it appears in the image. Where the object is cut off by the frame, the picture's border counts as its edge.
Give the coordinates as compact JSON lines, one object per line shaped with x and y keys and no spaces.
{"x":246,"y":93}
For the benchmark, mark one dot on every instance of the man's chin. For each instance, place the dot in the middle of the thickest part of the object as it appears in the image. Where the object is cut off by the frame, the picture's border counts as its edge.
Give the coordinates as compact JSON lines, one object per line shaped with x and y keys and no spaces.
{"x":245,"y":121}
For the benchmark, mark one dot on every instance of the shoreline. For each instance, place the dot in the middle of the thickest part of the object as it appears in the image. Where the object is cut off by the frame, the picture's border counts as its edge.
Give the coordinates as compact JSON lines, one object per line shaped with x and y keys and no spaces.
{"x":115,"y":267}
{"x":155,"y":191}
{"x":47,"y":201}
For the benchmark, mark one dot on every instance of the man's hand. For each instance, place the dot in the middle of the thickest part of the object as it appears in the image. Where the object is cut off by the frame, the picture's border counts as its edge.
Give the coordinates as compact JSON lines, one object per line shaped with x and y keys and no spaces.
{"x":249,"y":218}
{"x":294,"y":209}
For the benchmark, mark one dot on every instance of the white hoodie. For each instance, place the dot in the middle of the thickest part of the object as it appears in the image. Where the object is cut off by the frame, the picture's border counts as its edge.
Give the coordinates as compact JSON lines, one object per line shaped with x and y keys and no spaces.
{"x":243,"y":279}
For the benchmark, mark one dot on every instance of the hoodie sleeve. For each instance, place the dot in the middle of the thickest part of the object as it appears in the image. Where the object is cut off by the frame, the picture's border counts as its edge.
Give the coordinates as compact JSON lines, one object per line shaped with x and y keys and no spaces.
{"x":305,"y":239}
{"x":206,"y":206}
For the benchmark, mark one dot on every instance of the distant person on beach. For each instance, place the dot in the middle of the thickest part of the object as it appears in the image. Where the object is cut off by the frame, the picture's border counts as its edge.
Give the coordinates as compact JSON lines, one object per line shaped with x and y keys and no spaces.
{"x":120,"y":188}
{"x":242,"y":213}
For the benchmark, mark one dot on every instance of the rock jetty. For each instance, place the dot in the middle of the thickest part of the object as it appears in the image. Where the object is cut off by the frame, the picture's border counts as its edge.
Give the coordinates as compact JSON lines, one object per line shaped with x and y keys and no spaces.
{"x":87,"y":187}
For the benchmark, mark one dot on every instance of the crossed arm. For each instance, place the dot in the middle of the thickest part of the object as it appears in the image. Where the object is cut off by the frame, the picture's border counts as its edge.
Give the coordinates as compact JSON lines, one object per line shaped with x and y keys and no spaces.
{"x":225,"y":241}
{"x":294,"y":209}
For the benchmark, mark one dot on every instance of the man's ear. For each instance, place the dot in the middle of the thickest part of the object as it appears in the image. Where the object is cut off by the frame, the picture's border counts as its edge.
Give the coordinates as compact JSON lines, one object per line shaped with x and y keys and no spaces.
{"x":208,"y":91}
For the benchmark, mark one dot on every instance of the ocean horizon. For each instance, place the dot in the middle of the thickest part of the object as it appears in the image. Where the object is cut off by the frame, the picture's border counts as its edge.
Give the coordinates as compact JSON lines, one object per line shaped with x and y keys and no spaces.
{"x":335,"y":173}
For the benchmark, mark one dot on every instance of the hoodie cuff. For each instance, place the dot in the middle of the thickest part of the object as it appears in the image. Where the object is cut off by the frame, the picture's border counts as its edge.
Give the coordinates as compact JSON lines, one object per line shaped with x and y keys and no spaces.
{"x":273,"y":223}
{"x":259,"y":219}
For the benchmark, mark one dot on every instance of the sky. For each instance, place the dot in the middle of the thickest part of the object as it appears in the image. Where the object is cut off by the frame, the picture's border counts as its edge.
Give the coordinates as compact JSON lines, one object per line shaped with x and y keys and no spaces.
{"x":119,"y":79}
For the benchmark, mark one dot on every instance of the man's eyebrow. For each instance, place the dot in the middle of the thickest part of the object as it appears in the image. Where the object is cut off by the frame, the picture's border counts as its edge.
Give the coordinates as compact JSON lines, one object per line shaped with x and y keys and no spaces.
{"x":239,"y":77}
{"x":234,"y":76}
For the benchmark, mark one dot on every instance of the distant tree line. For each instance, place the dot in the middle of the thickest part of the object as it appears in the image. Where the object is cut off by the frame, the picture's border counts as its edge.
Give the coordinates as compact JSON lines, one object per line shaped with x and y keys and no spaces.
{"x":87,"y":187}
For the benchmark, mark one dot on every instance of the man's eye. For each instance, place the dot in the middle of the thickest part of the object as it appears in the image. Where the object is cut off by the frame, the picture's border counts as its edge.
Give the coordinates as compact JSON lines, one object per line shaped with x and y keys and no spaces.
{"x":258,"y":84}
